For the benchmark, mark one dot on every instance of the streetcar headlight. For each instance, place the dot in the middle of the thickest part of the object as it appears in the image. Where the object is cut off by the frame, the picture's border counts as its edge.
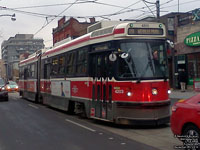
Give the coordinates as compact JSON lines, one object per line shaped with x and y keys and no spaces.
{"x":17,"y":87}
{"x":169,"y":91}
{"x":3,"y":88}
{"x":8,"y":87}
{"x":129,"y":93}
{"x":154,"y":91}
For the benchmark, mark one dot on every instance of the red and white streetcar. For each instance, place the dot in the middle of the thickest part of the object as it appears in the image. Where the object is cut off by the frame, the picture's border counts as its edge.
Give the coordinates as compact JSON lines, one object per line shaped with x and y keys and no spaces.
{"x":117,"y":73}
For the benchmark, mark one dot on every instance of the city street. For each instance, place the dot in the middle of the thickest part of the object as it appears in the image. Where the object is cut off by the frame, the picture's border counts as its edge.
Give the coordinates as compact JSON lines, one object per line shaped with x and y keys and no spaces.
{"x":26,"y":125}
{"x":105,"y":78}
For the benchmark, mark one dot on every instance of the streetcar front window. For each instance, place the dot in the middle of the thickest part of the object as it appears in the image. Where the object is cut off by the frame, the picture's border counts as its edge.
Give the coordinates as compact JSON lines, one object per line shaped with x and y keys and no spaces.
{"x":144,"y":59}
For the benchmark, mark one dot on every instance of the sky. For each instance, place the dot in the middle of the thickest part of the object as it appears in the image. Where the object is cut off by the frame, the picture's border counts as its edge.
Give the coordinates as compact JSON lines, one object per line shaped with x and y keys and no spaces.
{"x":39,"y":17}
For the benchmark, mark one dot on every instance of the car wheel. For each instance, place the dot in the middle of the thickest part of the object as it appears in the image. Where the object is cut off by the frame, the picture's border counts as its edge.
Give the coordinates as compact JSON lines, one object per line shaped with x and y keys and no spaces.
{"x":191,"y":133}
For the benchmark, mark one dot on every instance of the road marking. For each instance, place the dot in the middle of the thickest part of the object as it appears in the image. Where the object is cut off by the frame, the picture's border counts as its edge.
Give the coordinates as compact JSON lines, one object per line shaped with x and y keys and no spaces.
{"x":33,"y":106}
{"x":111,"y":138}
{"x":80,"y":125}
{"x":123,"y":143}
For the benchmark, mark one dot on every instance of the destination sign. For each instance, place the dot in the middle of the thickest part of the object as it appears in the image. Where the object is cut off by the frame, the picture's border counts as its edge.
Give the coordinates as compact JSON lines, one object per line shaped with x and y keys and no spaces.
{"x":145,"y":31}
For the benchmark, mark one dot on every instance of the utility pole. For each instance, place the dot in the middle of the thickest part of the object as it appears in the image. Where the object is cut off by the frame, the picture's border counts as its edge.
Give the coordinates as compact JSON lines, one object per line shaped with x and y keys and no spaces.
{"x":158,"y":9}
{"x":178,"y":6}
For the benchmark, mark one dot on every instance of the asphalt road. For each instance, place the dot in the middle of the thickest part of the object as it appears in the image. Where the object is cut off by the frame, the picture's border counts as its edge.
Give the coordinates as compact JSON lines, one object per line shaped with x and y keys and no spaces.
{"x":28,"y":126}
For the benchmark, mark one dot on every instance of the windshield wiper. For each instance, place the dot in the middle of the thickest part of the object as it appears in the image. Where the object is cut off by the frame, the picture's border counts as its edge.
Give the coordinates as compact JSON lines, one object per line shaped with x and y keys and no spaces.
{"x":150,"y":63}
{"x":131,"y":65}
{"x":143,"y":73}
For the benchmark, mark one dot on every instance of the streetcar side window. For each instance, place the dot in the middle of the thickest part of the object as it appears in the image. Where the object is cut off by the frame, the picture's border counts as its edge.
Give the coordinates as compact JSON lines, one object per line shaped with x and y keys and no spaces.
{"x":21,"y":73}
{"x":47,"y":68}
{"x":32,"y":70}
{"x":47,"y":71}
{"x":82,"y":58}
{"x":71,"y":63}
{"x":61,"y":68}
{"x":54,"y":69}
{"x":26,"y":73}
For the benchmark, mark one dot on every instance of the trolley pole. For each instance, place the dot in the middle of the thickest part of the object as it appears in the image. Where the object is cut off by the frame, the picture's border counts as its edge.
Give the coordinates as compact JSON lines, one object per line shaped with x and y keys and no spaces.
{"x":157,"y":8}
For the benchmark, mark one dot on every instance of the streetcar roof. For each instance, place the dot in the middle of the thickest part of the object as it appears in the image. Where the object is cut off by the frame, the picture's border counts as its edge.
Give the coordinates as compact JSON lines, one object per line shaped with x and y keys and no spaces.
{"x":112,"y":32}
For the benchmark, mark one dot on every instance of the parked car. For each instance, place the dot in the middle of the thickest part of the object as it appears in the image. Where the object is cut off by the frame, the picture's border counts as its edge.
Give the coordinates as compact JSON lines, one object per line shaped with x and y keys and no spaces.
{"x":3,"y":91}
{"x":185,"y":119}
{"x":12,"y":86}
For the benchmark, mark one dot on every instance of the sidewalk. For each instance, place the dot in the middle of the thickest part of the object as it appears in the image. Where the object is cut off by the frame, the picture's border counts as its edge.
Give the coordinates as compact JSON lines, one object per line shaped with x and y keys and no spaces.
{"x":177,"y":94}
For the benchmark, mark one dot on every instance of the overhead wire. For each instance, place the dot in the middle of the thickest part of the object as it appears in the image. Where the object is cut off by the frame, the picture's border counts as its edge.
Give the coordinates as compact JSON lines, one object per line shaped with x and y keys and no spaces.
{"x":52,"y":5}
{"x":127,"y":7}
{"x":145,"y":13}
{"x":121,"y":11}
{"x":87,"y":1}
{"x":180,"y":4}
{"x":55,"y":17}
{"x":90,"y":1}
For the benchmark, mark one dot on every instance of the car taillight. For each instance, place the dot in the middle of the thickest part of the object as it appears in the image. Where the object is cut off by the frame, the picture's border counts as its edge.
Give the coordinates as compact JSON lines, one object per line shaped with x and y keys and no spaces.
{"x":174,"y":108}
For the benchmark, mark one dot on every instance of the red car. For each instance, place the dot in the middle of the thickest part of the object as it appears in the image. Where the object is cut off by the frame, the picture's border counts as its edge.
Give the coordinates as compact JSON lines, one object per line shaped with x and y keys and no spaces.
{"x":185,"y":118}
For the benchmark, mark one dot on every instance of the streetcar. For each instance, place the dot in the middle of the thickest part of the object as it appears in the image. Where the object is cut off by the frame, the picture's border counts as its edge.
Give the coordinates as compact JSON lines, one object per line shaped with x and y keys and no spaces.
{"x":117,"y":73}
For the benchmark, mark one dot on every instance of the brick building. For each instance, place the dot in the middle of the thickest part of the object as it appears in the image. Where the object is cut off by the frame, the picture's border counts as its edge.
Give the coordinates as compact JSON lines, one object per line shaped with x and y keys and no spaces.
{"x":71,"y":28}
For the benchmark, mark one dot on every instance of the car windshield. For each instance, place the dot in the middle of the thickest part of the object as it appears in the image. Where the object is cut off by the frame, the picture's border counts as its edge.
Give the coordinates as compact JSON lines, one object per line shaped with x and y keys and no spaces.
{"x":2,"y":82}
{"x":12,"y":83}
{"x":145,"y":59}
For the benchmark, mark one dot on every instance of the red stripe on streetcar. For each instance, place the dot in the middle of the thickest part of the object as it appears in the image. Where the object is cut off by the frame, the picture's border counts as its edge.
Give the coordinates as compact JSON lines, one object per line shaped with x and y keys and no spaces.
{"x":85,"y":39}
{"x":119,"y":31}
{"x":68,"y":45}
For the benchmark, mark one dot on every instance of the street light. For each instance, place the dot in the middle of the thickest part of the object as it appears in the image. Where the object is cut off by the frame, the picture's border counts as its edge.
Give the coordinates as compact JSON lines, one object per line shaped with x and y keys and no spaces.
{"x":12,"y":16}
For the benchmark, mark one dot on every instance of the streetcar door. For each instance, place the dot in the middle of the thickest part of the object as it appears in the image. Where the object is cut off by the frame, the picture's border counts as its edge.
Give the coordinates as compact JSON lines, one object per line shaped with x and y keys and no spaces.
{"x":101,"y":88}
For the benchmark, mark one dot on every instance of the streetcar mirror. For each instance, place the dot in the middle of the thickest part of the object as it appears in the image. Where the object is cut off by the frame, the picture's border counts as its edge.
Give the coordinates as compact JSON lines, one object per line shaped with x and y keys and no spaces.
{"x":112,"y":57}
{"x":124,"y":55}
{"x":171,"y":44}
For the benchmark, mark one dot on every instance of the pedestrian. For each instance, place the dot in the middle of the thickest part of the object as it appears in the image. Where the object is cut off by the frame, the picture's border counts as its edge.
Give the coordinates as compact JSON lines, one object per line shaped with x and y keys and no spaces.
{"x":182,"y":79}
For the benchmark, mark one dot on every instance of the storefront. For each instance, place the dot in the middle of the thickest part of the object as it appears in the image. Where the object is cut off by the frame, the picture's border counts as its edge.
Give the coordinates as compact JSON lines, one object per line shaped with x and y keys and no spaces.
{"x":188,"y":55}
